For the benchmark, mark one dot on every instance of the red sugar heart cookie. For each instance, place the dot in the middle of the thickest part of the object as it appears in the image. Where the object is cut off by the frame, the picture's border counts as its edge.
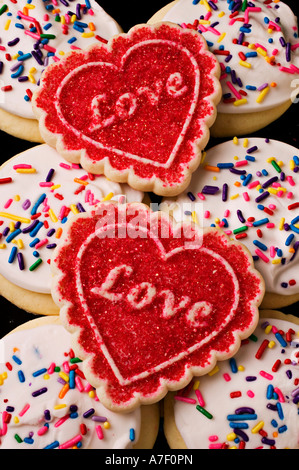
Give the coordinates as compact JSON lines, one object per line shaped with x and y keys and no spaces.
{"x":151,"y":303}
{"x":137,"y":109}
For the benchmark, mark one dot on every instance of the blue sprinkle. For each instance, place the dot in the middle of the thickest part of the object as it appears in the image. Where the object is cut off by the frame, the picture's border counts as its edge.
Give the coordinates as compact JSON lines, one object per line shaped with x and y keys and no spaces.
{"x":21,"y":376}
{"x":257,"y":223}
{"x":12,"y":254}
{"x":280,"y":410}
{"x":132,"y":434}
{"x":39,"y":372}
{"x":233,"y":365}
{"x":270,"y":390}
{"x":17,"y":360}
{"x":281,"y":339}
{"x":13,"y":235}
{"x":289,"y":239}
{"x":260,"y":245}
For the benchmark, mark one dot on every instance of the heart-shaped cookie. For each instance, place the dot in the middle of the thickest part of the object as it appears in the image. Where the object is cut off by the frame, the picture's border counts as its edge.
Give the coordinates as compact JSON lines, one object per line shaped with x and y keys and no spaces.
{"x":137,"y":109}
{"x":151,"y":303}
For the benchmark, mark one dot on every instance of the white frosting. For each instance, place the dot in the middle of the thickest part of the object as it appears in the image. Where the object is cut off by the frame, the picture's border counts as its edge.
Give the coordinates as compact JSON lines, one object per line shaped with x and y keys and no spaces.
{"x":37,"y":349}
{"x":27,"y":186}
{"x":105,"y":27}
{"x":199,"y":431}
{"x":278,"y":268}
{"x":260,"y":72}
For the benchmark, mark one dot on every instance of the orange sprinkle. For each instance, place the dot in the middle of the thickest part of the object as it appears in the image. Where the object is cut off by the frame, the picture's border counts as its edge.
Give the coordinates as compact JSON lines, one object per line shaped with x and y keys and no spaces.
{"x":58,"y":232}
{"x":91,"y":26}
{"x":64,"y":390}
{"x":212,"y":168}
{"x":237,"y":183}
{"x":273,"y":84}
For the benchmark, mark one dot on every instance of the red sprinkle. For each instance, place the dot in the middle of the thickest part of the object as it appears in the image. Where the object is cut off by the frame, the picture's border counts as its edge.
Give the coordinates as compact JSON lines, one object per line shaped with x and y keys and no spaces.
{"x":5,"y":180}
{"x":276,"y":365}
{"x":262,"y":348}
{"x":235,"y":394}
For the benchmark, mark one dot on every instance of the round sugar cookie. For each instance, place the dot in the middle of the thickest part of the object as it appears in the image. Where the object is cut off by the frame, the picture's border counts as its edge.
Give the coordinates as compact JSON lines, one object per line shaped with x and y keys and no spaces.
{"x":46,"y":402}
{"x":34,"y":35}
{"x":249,"y":402}
{"x":257,"y":48}
{"x":39,"y":192}
{"x":249,"y":187}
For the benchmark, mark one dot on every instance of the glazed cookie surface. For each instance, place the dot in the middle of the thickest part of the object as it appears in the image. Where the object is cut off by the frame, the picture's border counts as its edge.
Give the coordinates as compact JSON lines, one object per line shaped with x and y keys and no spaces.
{"x":39,"y":192}
{"x":125,"y":275}
{"x":108,"y":107}
{"x":248,"y":402}
{"x":249,"y":188}
{"x":46,"y":402}
{"x":34,"y":35}
{"x":256,"y":44}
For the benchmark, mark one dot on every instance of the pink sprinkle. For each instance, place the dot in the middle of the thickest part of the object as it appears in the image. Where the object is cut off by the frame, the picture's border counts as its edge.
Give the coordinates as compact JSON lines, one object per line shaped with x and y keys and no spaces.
{"x":261,"y":255}
{"x":226,"y":377}
{"x":272,"y":207}
{"x":215,"y":446}
{"x":241,"y":163}
{"x":208,"y":15}
{"x":270,"y":225}
{"x":260,"y":46}
{"x":213,"y":438}
{"x":201,"y":196}
{"x":280,"y":194}
{"x":250,"y":394}
{"x":294,"y":46}
{"x":266,"y":375}
{"x":99,"y":432}
{"x":227,"y":213}
{"x":42,"y":430}
{"x":202,"y":28}
{"x":199,"y":398}
{"x":272,"y":251}
{"x":64,"y":165}
{"x":21,"y":165}
{"x":214,"y":31}
{"x":61,"y":421}
{"x":234,"y":91}
{"x":8,"y":203}
{"x":274,"y":329}
{"x":293,"y":67}
{"x":246,"y":197}
{"x":207,"y":214}
{"x":221,"y":224}
{"x":280,"y":394}
{"x":23,"y":411}
{"x":79,"y":384}
{"x":290,"y":195}
{"x":41,"y":243}
{"x":51,"y":368}
{"x":75,"y":165}
{"x":275,"y":51}
{"x":290,"y":180}
{"x":71,"y":442}
{"x":274,"y":25}
{"x":253,"y":184}
{"x":46,"y":184}
{"x":185,"y":399}
{"x":46,"y":17}
{"x":287,"y":70}
{"x":66,"y":367}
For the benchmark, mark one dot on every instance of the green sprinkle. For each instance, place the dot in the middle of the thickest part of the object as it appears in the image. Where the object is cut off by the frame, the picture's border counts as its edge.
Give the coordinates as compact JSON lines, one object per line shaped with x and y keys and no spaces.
{"x":204,"y":412}
{"x":240,"y":229}
{"x":3,"y":9}
{"x":74,"y":360}
{"x":253,"y":338}
{"x":17,"y":438}
{"x":244,"y":5}
{"x":35,"y":265}
{"x":276,"y":166}
{"x":48,"y":36}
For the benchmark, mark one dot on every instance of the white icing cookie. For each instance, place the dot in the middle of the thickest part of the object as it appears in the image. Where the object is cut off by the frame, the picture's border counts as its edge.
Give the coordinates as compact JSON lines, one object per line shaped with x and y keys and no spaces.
{"x":33,"y":35}
{"x":39,"y":192}
{"x":46,"y":402}
{"x":248,"y":402}
{"x":257,"y":47}
{"x":250,"y":189}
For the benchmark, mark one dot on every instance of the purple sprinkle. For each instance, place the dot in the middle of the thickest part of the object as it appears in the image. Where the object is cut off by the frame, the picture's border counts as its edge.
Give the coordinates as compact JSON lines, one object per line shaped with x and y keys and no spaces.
{"x":51,"y":245}
{"x":270,"y":181}
{"x":88,"y":413}
{"x":23,"y":78}
{"x":39,"y":392}
{"x":240,"y":216}
{"x":272,"y":407}
{"x":250,"y":378}
{"x":233,"y":77}
{"x":241,"y":38}
{"x":288,"y":52}
{"x":239,"y":82}
{"x":252,"y":149}
{"x":289,"y":374}
{"x":1,"y":67}
{"x":224,"y":192}
{"x":26,"y":204}
{"x":262,"y":87}
{"x":37,"y":57}
{"x":80,"y":207}
{"x":191,"y":196}
{"x":49,"y":175}
{"x":20,"y":261}
{"x":228,"y":58}
{"x":47,"y":415}
{"x":17,"y":225}
{"x":262,"y":196}
{"x":241,"y":434}
{"x":30,"y":227}
{"x":101,"y":419}
{"x":5,"y":231}
{"x":282,"y":176}
{"x":267,"y":441}
{"x":244,"y":410}
{"x":282,"y":41}
{"x":13,"y":42}
{"x":51,"y":232}
{"x":210,"y":189}
{"x":237,"y":172}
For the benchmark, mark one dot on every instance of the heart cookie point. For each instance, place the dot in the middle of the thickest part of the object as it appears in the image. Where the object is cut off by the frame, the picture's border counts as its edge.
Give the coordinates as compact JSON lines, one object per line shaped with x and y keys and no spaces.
{"x":137,"y":109}
{"x":151,"y":302}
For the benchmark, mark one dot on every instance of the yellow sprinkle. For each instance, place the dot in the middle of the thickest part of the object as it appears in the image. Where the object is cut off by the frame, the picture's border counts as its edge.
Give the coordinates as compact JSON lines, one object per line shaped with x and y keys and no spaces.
{"x":268,"y":329}
{"x":46,"y":377}
{"x":261,"y":51}
{"x":231,"y":437}
{"x":64,"y":376}
{"x":59,"y":407}
{"x":205,"y":3}
{"x":194,"y":217}
{"x":280,"y":163}
{"x":262,"y":94}
{"x":7,"y":25}
{"x":212,"y":168}
{"x":251,"y":46}
{"x":272,"y":191}
{"x":91,"y":394}
{"x":196,"y":385}
{"x":214,"y":371}
{"x":217,"y":220}
{"x":233,"y":447}
{"x":14,"y":217}
{"x":203,"y":156}
{"x":241,"y":368}
{"x":270,"y":159}
{"x":257,"y":427}
{"x":15,"y":56}
{"x":240,"y":102}
{"x":280,"y":188}
{"x":222,"y":36}
{"x":31,"y":78}
{"x":292,"y":165}
{"x":87,"y":35}
{"x":17,"y":197}
{"x":235,"y":196}
{"x":29,"y":6}
{"x":214,"y":178}
{"x":4,"y":375}
{"x":236,"y":157}
{"x":244,"y":63}
{"x":52,"y":216}
{"x":108,"y":197}
{"x":2,"y":246}
{"x":204,"y":22}
{"x":1,"y":381}
{"x":32,"y":70}
{"x":26,"y":170}
{"x":221,"y":14}
{"x":62,"y":20}
{"x":58,"y":233}
{"x":56,"y":186}
{"x":271,"y":344}
{"x":11,"y":226}
{"x":73,"y":18}
{"x":258,"y":187}
{"x":74,"y":209}
{"x":245,"y":143}
{"x":16,"y":420}
{"x":281,"y":223}
{"x":235,"y":140}
{"x":106,"y":425}
{"x":61,"y":52}
{"x":20,"y":243}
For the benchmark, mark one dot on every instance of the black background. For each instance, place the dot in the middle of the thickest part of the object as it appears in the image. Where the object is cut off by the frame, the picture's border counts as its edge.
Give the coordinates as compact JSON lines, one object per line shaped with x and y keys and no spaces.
{"x":128,"y":13}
